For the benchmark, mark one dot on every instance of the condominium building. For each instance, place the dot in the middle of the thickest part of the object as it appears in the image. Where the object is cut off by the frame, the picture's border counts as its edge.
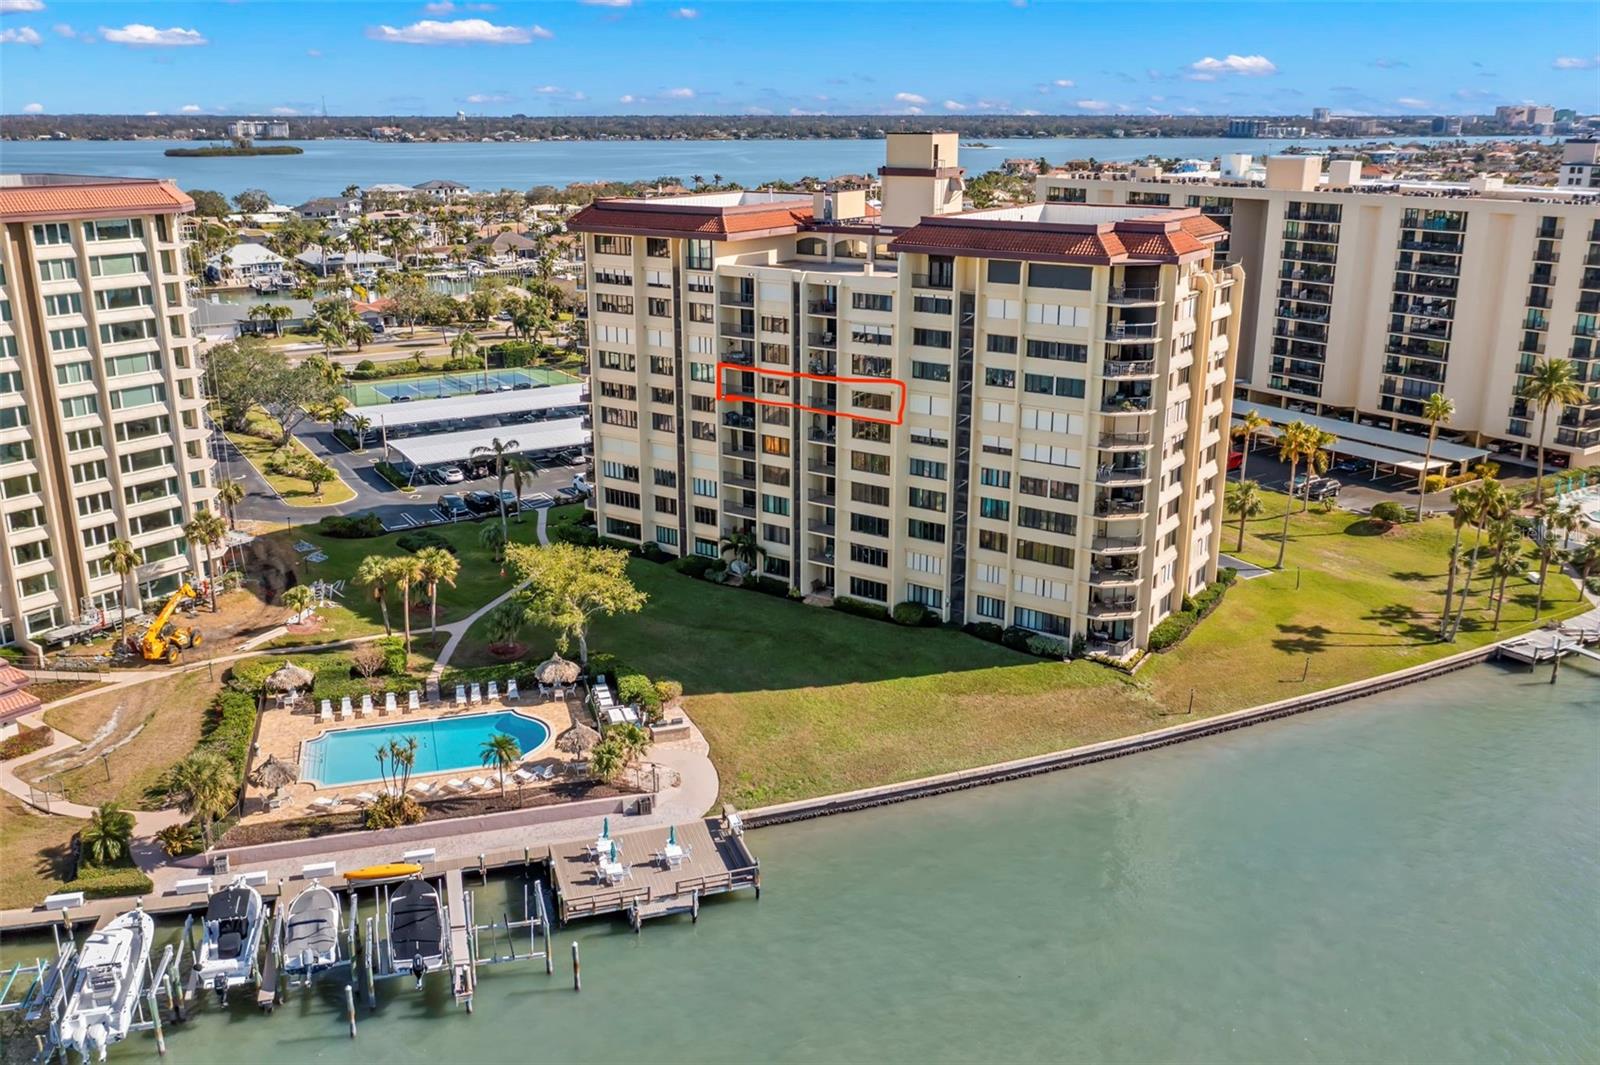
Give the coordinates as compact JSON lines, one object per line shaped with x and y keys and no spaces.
{"x":1013,"y":416}
{"x":101,"y":434}
{"x":1365,"y":297}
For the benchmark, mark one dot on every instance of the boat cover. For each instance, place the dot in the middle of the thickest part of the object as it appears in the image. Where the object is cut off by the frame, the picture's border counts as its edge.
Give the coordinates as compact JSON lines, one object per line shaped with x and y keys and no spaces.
{"x":416,"y":925}
{"x":313,"y":924}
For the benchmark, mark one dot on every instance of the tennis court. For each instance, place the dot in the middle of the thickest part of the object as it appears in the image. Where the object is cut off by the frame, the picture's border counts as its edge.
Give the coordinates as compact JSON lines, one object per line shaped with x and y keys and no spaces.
{"x":440,"y":386}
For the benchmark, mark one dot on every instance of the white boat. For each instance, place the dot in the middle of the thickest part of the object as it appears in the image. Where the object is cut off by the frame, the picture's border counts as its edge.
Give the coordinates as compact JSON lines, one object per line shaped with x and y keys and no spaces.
{"x":311,"y":931}
{"x":416,"y":928}
{"x":110,"y":976}
{"x":233,"y":925}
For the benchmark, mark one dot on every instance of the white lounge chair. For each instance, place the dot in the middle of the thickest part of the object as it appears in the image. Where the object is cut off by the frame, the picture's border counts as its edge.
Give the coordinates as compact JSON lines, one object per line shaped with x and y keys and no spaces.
{"x":560,"y":692}
{"x":423,"y":790}
{"x":344,"y":708}
{"x":494,"y":691}
{"x":461,"y":695}
{"x":326,"y":713}
{"x":457,"y":785}
{"x":365,"y":797}
{"x":548,"y":772}
{"x":366,"y":706}
{"x":388,"y":702}
{"x":476,"y":695}
{"x":525,"y":776}
{"x":327,"y":802}
{"x":511,"y":690}
{"x":478,"y":783}
{"x":413,"y":701}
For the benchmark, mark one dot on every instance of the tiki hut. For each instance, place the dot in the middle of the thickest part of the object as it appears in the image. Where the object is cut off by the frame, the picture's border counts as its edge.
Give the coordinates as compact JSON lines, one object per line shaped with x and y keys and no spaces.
{"x":275,"y":773}
{"x":290,"y":677}
{"x":557,"y":670}
{"x":577,"y":740}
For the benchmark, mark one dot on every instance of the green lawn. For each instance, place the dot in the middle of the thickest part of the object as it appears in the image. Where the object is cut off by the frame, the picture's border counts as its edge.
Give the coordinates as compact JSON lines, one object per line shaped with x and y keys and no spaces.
{"x":296,"y":491}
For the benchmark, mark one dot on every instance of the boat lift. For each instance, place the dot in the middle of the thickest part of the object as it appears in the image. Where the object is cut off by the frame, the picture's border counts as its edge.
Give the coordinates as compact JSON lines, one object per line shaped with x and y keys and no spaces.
{"x":52,"y":981}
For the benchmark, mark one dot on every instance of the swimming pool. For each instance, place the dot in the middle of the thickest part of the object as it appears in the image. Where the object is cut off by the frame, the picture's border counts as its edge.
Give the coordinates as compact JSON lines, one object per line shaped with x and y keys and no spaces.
{"x":348,"y":756}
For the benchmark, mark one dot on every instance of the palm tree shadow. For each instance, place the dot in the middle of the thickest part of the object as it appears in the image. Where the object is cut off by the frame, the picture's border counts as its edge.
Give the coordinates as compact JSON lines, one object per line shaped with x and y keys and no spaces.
{"x":1411,"y":576}
{"x":1403,"y":621}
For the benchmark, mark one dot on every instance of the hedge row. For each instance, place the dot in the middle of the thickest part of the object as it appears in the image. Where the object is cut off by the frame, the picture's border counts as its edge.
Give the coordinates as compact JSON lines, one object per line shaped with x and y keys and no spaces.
{"x":1024,"y":641}
{"x":354,"y":527}
{"x":26,"y":741}
{"x":230,"y":723}
{"x":1176,"y":626}
{"x":107,"y":882}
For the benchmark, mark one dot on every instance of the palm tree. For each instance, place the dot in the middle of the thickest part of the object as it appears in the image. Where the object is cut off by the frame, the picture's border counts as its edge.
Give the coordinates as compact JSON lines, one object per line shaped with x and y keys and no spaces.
{"x":406,"y":573}
{"x":204,"y":785}
{"x":276,"y":313}
{"x":208,"y":530}
{"x":504,"y":623}
{"x":1436,"y":408}
{"x":330,"y":337}
{"x":1244,"y":499}
{"x":1249,"y":427}
{"x":361,"y":334}
{"x":1552,"y":383}
{"x":1552,"y":517}
{"x":361,"y":423}
{"x":375,"y":572}
{"x":501,"y":450}
{"x":1318,"y":458}
{"x":521,"y":470}
{"x":464,"y":346}
{"x":318,"y":473}
{"x":1493,"y":504}
{"x":1293,"y":443}
{"x":606,"y":759}
{"x":744,"y":547}
{"x":106,"y":835}
{"x":1464,"y":514}
{"x":257,"y":313}
{"x":1506,"y":566}
{"x":502,"y":752}
{"x":1586,"y":558}
{"x":493,"y":537}
{"x":230,"y":494}
{"x":298,"y":599}
{"x":435,"y":564}
{"x":124,"y":560}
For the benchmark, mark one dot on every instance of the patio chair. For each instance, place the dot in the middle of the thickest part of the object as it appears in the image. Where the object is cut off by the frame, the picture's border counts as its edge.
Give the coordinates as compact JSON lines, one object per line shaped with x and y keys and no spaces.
{"x":525,"y":776}
{"x":423,"y":790}
{"x":461,"y":695}
{"x":326,"y":713}
{"x":476,"y":695}
{"x":366,"y":705}
{"x":559,"y":692}
{"x":456,"y":785}
{"x":413,"y":701}
{"x":511,"y":690}
{"x":366,"y":798}
{"x":494,"y":691}
{"x":548,"y":773}
{"x":344,"y":708}
{"x":327,"y":802}
{"x":478,"y":783}
{"x":388,"y":702}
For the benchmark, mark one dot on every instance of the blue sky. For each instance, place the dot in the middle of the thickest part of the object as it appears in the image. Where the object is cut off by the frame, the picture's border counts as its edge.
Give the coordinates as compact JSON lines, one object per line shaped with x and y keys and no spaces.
{"x":866,"y":56}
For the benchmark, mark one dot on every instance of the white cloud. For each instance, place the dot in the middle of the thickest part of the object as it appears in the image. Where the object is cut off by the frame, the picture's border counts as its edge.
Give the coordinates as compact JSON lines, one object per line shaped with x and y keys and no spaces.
{"x":63,"y":29}
{"x":314,"y":53}
{"x":954,"y":105}
{"x":138,"y":35}
{"x":758,"y":110}
{"x":33,"y":109}
{"x":21,"y":35}
{"x":607,"y":3}
{"x":679,"y":94}
{"x":1247,"y":66}
{"x":686,"y":12}
{"x":549,"y":90}
{"x":8,"y":7}
{"x":1064,"y":83}
{"x":800,"y":112}
{"x":994,"y":105}
{"x":443,"y":7}
{"x":285,"y":111}
{"x":1576,"y":62}
{"x":458,"y":31}
{"x":190,"y":109}
{"x":1092,"y":105}
{"x":909,"y":98}
{"x":1413,"y":103}
{"x":488,"y":98}
{"x":1029,"y":111}
{"x":627,"y":98}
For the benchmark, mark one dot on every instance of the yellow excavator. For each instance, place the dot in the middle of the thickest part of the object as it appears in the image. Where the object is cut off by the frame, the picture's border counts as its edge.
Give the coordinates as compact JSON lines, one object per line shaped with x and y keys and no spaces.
{"x":162,"y":642}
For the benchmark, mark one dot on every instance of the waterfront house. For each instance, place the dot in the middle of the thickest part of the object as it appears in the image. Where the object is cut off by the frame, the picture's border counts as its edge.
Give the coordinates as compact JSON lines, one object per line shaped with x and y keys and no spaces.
{"x":243,"y":263}
{"x":225,"y":321}
{"x":443,"y":191}
{"x":326,"y":263}
{"x":330,"y":208}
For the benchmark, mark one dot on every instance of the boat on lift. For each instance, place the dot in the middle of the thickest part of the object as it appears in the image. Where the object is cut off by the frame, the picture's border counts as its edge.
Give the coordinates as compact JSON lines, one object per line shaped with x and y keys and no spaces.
{"x":105,"y":994}
{"x":311,"y":931}
{"x":233,"y":923}
{"x":416,"y":928}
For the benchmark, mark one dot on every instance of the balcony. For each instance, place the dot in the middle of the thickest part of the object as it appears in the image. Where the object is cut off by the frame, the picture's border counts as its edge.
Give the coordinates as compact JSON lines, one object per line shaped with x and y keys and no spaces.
{"x":735,"y":449}
{"x":1122,"y":440}
{"x":1117,"y":508}
{"x":818,"y":435}
{"x":1133,"y":297}
{"x":1105,"y":544}
{"x":1102,"y":644}
{"x":738,"y":480}
{"x":734,"y":298}
{"x":821,"y":467}
{"x":820,"y":558}
{"x":1295,"y":313}
{"x":738,"y":510}
{"x":1305,"y":255}
{"x":822,"y":401}
{"x":1303,"y":294}
{"x":821,"y":498}
{"x":1118,"y":403}
{"x":820,"y":526}
{"x":1131,"y":332}
{"x":735,"y":420}
{"x":827,"y":307}
{"x":738,"y":329}
{"x":1113,"y":576}
{"x":1129,"y":368}
{"x":1113,"y":609}
{"x":822,"y":340}
{"x":938,"y":282}
{"x":1126,"y":473}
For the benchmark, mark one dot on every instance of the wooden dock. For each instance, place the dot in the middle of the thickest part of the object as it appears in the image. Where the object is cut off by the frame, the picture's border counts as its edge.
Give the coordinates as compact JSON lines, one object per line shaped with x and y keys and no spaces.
{"x":716,"y":861}
{"x":1574,"y":636}
{"x":463,"y":974}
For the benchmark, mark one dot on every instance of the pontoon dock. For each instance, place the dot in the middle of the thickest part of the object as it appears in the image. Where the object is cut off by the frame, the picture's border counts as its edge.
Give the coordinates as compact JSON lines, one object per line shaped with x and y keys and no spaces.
{"x":715,"y":861}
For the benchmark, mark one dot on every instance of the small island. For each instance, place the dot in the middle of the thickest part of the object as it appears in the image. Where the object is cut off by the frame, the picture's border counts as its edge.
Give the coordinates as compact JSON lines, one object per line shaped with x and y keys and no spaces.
{"x":239,"y":147}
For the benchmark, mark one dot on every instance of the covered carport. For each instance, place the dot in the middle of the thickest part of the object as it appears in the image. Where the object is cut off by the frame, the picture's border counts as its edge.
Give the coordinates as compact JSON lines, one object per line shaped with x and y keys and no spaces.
{"x":1384,"y":460}
{"x":535,"y":439}
{"x":1400,"y":452}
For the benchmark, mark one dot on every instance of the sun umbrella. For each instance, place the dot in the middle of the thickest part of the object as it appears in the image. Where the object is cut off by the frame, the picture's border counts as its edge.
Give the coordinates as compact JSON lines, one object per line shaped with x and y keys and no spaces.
{"x":557,"y":670}
{"x":605,"y":829}
{"x":613,"y":850}
{"x":578,"y":739}
{"x":290,"y":677}
{"x":275,"y":773}
{"x":672,"y":836}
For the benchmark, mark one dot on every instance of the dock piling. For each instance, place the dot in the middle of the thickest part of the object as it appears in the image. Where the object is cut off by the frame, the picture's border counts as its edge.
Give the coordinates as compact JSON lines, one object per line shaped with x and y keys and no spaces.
{"x":350,"y":1007}
{"x":577,"y":978}
{"x":155,"y":1020}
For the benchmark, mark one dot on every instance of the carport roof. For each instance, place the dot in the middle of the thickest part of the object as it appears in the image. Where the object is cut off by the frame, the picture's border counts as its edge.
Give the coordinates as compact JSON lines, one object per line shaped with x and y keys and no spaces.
{"x":1355,"y":449}
{"x":457,"y":447}
{"x":1351,"y":434}
{"x":423,"y":411}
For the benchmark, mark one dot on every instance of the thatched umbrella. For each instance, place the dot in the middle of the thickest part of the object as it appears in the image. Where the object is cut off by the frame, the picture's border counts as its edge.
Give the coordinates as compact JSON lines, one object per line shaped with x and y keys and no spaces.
{"x":557,"y":670}
{"x":290,"y":677}
{"x":275,"y":773}
{"x":577,"y":739}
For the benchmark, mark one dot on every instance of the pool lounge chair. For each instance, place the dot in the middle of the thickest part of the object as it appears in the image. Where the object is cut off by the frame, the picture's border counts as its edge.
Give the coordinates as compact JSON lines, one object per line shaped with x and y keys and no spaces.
{"x":366,"y":798}
{"x":476,"y":695}
{"x":461,"y":695}
{"x":366,"y":706}
{"x":327,"y":802}
{"x":511,"y":690}
{"x":413,"y":701}
{"x":326,"y":713}
{"x":548,"y":772}
{"x":525,"y":776}
{"x":494,"y":691}
{"x":344,"y":708}
{"x":478,"y":783}
{"x":423,"y":790}
{"x":388,"y":703}
{"x":456,"y":785}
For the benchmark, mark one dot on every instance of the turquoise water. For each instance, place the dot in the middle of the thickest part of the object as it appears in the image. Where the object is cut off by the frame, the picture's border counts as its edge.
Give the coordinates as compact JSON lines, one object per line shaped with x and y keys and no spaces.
{"x":348,"y":756}
{"x":1411,"y":878}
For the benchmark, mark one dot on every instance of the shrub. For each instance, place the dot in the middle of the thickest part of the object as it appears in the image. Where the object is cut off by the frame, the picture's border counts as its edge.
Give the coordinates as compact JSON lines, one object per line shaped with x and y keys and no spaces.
{"x":582,"y":535}
{"x":1080,"y":642}
{"x":26,"y":741}
{"x":394,"y":655}
{"x":757,"y":582}
{"x":107,"y":882}
{"x":366,"y":366}
{"x":1176,"y":626}
{"x":392,"y":811}
{"x":669,"y":692}
{"x":178,"y":840}
{"x":651,"y":552}
{"x":1389,"y":513}
{"x":230,"y":725}
{"x":693,"y":565}
{"x":861,"y":608}
{"x":354,"y":527}
{"x":389,"y":472}
{"x":251,"y":675}
{"x":638,"y":688}
{"x":909,"y":613}
{"x":606,"y":664}
{"x":14,"y":655}
{"x":1016,"y":638}
{"x":983,"y":630}
{"x":1434,"y":482}
{"x":1047,"y":646}
{"x":368,"y":660}
{"x":413,"y":542}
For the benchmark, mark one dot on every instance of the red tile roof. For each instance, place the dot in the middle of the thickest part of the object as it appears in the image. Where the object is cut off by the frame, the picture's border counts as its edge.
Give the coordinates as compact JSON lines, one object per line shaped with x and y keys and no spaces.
{"x":1166,"y":238}
{"x":90,"y":200}
{"x":17,"y":704}
{"x":639,"y":217}
{"x":11,"y":677}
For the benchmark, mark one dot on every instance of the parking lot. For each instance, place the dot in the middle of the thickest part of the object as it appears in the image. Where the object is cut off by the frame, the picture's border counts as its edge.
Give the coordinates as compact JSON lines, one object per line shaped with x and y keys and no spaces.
{"x":472,"y":497}
{"x":1359,"y":490}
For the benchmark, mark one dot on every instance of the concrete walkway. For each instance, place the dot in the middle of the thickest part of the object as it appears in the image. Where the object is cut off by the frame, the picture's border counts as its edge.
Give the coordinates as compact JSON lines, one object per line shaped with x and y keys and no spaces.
{"x":457,"y":630}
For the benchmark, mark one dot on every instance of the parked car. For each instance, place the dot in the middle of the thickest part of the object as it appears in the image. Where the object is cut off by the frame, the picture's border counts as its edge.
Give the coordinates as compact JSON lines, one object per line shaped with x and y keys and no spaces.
{"x":1324,"y":488}
{"x":453,"y":507}
{"x":1347,"y":466}
{"x":568,"y":494}
{"x":512,"y":503}
{"x":481,"y":502}
{"x":1235,"y":459}
{"x":449,"y":475}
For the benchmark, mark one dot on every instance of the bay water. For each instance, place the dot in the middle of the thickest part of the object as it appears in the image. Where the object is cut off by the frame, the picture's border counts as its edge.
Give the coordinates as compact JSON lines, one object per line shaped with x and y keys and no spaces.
{"x":1411,"y":877}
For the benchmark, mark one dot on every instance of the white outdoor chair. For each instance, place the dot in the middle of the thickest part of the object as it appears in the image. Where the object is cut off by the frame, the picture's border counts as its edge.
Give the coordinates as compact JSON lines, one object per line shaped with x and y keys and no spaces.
{"x":477,"y":783}
{"x":461,"y":695}
{"x":326,"y":802}
{"x":344,"y":708}
{"x":476,"y":696}
{"x":511,"y":690}
{"x":366,"y":705}
{"x":388,"y":702}
{"x":524,"y":776}
{"x":326,"y":713}
{"x":494,"y":691}
{"x":414,"y":701}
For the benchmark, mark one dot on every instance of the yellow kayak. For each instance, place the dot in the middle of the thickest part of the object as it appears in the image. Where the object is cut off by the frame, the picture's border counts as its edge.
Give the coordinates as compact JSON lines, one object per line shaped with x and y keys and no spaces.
{"x":384,"y":872}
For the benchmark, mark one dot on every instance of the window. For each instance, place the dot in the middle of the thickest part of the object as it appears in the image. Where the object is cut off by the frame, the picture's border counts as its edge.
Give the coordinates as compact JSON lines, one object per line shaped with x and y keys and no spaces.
{"x":874,"y":494}
{"x":622,"y":528}
{"x":861,"y":588}
{"x":998,"y":509}
{"x":701,"y":312}
{"x":697,"y":254}
{"x":626,"y":419}
{"x":771,"y":504}
{"x":930,"y":304}
{"x":1047,"y":521}
{"x":811,"y":246}
{"x":771,"y":323}
{"x":67,"y":303}
{"x":119,"y":265}
{"x":928,"y":468}
{"x":987,"y":606}
{"x":117,"y":299}
{"x":25,"y":484}
{"x":1048,"y":554}
{"x":994,"y":478}
{"x":704,"y":515}
{"x":139,"y":428}
{"x":706,"y":548}
{"x":926,"y":499}
{"x":150,"y":491}
{"x":1056,"y":314}
{"x":139,"y":461}
{"x":16,"y":451}
{"x":84,"y":472}
{"x":872,"y":334}
{"x":666,"y":505}
{"x":877,"y":432}
{"x":52,"y":233}
{"x":1006,"y":310}
{"x":990,"y":540}
{"x":1039,"y":486}
{"x":931,"y":338}
{"x":703,"y":431}
{"x":36,"y":584}
{"x":872,"y":301}
{"x":113,"y":229}
{"x":120,"y":332}
{"x":1004,"y":272}
{"x":1001,"y":344}
{"x":1053,"y":456}
{"x":75,"y":373}
{"x":98,"y":535}
{"x":932,"y":598}
{"x":869,"y":525}
{"x":870,"y":400}
{"x":1048,"y":275}
{"x":918,"y":529}
{"x":614,"y":304}
{"x":1054,"y":349}
{"x":37,"y":551}
{"x":703,"y":372}
{"x":705,"y":486}
{"x":1041,"y":621}
{"x":615,"y":360}
{"x":1044,"y":384}
{"x":18,"y":520}
{"x":80,"y":407}
{"x":122,"y":365}
{"x":662,"y":395}
{"x":94,"y":503}
{"x":617,"y":497}
{"x":929,"y":371}
{"x":607,"y":244}
{"x":867,"y":462}
{"x":993,"y":375}
{"x":774,"y":445}
{"x":140,"y":396}
{"x":69,"y":339}
{"x":616,"y":471}
{"x":869,"y":556}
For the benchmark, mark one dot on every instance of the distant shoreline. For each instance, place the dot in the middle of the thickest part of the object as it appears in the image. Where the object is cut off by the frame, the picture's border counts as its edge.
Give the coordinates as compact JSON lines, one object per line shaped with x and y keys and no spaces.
{"x":221,"y":151}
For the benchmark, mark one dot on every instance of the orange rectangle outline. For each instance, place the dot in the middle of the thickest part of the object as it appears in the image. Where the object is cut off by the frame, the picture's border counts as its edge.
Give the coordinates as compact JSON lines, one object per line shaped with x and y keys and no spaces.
{"x":735,"y":397}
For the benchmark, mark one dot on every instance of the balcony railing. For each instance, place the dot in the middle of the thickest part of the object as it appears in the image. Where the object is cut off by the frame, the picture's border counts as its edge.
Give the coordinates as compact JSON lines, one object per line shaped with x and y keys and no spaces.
{"x":1133,"y":473}
{"x":822,"y":307}
{"x":1125,"y":439}
{"x":1120,"y":331}
{"x":1117,"y":368}
{"x":822,"y":340}
{"x":935,"y":281}
{"x":1104,"y":645}
{"x":1126,"y":296}
{"x":1115,"y":545}
{"x":736,"y":299}
{"x":1110,"y":575}
{"x":1121,"y":404}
